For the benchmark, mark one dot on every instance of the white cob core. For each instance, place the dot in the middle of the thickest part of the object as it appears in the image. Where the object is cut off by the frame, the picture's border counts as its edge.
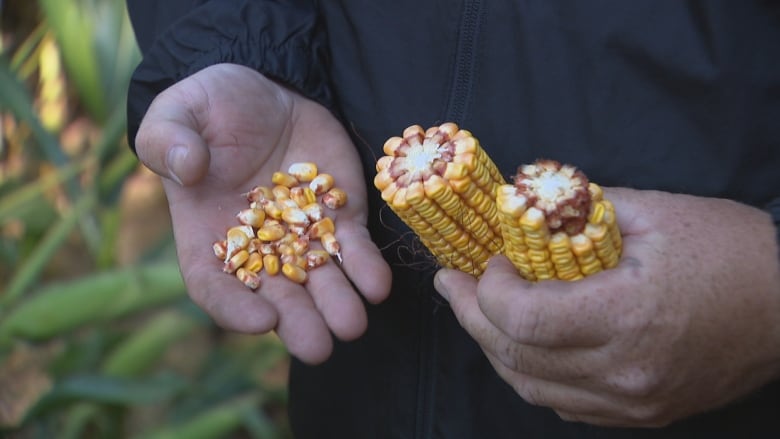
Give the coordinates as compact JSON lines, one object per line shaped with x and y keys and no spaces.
{"x":419,"y":157}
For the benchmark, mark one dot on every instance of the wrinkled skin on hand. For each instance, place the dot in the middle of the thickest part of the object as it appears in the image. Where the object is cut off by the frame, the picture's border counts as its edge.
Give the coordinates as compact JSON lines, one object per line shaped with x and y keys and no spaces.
{"x":215,"y":135}
{"x":687,"y":322}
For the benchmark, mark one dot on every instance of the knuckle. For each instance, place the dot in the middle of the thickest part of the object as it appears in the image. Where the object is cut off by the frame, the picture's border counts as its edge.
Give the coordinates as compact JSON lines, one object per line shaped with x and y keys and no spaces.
{"x":530,"y":393}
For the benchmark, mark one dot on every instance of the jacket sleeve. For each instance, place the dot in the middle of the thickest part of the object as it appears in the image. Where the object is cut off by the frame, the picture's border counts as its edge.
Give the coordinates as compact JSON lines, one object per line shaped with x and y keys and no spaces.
{"x":283,"y":39}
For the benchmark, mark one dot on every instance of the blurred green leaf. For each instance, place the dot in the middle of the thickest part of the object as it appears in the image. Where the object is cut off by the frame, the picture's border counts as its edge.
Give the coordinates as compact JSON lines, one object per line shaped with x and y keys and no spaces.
{"x":108,"y":390}
{"x":62,"y":307}
{"x":145,"y":346}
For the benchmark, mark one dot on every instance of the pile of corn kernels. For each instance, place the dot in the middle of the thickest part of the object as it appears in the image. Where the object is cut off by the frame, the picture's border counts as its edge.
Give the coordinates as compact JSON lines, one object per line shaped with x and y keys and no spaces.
{"x":278,"y":227}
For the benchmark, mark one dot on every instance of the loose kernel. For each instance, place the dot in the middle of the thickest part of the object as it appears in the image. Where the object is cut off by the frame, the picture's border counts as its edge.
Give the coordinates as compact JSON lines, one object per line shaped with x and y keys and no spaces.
{"x":334,"y":198}
{"x":271,"y":264}
{"x":254,"y":262}
{"x":235,"y":261}
{"x":271,"y":209}
{"x":270,"y":232}
{"x":237,"y":239}
{"x":321,"y":227}
{"x":220,"y":249}
{"x":249,"y":278}
{"x":331,"y":245}
{"x":259,"y":193}
{"x":281,"y":192}
{"x":294,"y":273}
{"x":314,"y":211}
{"x":284,"y":179}
{"x":316,"y":258}
{"x":295,"y":216}
{"x":321,"y":184}
{"x":251,"y":217}
{"x":303,"y":196}
{"x":303,"y":171}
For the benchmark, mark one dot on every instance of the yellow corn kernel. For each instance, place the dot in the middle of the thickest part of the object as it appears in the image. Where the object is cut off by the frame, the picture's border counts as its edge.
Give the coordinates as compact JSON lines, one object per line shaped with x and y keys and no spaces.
{"x":235,"y":261}
{"x":294,"y":216}
{"x":303,"y":171}
{"x":220,"y":249}
{"x":294,"y":272}
{"x":271,"y":232}
{"x":251,"y":217}
{"x":271,"y":264}
{"x":271,"y":208}
{"x":284,"y":179}
{"x":303,"y":196}
{"x":321,"y":227}
{"x":331,"y":245}
{"x":321,"y":184}
{"x":237,"y":239}
{"x":254,"y":262}
{"x":314,"y":211}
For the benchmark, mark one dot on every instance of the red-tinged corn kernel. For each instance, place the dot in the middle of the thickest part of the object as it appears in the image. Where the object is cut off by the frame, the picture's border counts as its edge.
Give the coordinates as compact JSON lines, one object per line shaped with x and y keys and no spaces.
{"x":251,"y":217}
{"x":271,"y":264}
{"x":249,"y":278}
{"x":298,"y":260}
{"x":271,"y":232}
{"x":314,"y":211}
{"x":267,"y":248}
{"x":254,"y":262}
{"x":220,"y":249}
{"x":321,"y":227}
{"x":271,"y":209}
{"x":235,"y":261}
{"x":259,"y":193}
{"x":295,"y":273}
{"x":299,"y":230}
{"x":316,"y":258}
{"x":303,"y":196}
{"x":331,"y":245}
{"x":300,"y":245}
{"x":321,"y":184}
{"x":254,"y":245}
{"x":334,"y":198}
{"x":295,"y":216}
{"x":284,"y":179}
{"x":303,"y":171}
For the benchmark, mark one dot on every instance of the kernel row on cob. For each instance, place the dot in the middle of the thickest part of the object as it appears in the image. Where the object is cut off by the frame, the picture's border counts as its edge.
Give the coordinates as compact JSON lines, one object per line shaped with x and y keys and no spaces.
{"x":276,"y":230}
{"x":551,"y":223}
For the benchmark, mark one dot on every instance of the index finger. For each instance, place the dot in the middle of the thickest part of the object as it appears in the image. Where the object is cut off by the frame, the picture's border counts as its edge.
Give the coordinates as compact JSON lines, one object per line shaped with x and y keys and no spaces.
{"x":551,"y":313}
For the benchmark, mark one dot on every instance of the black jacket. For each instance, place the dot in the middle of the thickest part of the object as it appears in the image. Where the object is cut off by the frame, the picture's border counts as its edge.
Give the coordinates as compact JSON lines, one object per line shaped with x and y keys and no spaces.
{"x":680,"y":96}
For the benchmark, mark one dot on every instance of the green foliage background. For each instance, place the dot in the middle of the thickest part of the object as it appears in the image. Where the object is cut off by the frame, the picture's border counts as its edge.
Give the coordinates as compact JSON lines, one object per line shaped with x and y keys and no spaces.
{"x":97,"y":336}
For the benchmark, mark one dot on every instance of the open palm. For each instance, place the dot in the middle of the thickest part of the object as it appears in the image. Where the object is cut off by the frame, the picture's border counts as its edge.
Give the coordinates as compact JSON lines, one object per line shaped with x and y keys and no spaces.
{"x":214,"y":136}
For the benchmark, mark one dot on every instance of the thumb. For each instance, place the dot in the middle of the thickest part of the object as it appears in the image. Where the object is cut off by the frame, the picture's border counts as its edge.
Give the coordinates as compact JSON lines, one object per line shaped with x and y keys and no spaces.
{"x":169,"y":143}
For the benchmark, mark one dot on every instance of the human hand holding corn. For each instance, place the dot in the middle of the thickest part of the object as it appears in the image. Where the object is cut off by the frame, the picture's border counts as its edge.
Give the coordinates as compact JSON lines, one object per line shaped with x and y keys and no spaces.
{"x":214,"y":136}
{"x":686,"y":322}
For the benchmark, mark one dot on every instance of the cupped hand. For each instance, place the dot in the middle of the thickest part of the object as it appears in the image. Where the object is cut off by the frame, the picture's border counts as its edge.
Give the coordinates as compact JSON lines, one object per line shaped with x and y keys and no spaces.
{"x":214,"y":136}
{"x":687,"y":322}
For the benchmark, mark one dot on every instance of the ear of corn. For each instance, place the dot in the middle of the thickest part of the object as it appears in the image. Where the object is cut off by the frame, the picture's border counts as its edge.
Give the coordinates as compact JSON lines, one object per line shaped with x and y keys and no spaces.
{"x":556,"y":224}
{"x":442,"y":184}
{"x":552,"y":223}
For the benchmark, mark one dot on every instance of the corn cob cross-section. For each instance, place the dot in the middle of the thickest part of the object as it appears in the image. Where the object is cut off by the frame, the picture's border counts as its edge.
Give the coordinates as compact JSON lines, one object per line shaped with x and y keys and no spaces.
{"x":442,"y":184}
{"x":556,"y":224}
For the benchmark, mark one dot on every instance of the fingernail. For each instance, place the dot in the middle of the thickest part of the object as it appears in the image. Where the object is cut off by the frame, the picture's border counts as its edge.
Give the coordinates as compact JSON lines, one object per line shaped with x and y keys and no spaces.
{"x":174,"y":160}
{"x":440,"y":286}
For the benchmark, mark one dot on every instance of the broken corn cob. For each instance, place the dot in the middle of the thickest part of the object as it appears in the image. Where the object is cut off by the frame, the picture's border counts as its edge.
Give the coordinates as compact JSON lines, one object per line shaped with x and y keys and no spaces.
{"x":556,"y":224}
{"x":442,"y":184}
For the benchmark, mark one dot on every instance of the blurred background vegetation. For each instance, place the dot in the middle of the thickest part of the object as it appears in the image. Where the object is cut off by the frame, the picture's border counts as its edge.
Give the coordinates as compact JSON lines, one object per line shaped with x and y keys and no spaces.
{"x":97,"y":336}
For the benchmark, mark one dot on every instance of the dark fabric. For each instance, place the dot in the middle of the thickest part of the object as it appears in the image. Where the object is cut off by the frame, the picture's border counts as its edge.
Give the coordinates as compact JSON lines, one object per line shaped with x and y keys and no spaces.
{"x":679,"y":96}
{"x":280,"y":38}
